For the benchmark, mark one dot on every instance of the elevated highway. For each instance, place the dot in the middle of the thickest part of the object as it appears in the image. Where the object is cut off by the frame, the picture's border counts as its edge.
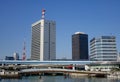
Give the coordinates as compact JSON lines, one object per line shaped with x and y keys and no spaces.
{"x":44,"y":62}
{"x":34,"y":62}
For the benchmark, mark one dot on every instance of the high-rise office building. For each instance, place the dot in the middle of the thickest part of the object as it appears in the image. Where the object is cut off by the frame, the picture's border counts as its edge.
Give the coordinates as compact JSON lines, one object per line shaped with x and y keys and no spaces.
{"x":103,"y":48}
{"x":16,"y":56}
{"x":43,"y":45}
{"x":79,"y":46}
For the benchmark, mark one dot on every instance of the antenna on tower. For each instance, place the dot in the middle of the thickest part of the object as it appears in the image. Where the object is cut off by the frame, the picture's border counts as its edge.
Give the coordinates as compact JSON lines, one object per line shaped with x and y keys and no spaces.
{"x":24,"y":52}
{"x":43,"y":13}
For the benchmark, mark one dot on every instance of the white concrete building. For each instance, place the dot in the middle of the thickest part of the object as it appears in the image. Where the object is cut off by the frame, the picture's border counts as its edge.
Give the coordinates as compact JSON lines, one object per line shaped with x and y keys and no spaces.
{"x":43,"y":45}
{"x":103,"y":49}
{"x":16,"y":56}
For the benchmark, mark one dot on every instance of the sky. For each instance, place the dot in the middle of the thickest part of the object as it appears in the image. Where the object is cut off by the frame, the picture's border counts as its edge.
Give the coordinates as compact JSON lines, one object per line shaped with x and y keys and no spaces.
{"x":93,"y":17}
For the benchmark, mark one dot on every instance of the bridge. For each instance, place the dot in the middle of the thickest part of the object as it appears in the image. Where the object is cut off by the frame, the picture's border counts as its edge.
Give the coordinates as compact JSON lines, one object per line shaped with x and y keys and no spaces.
{"x":44,"y":62}
{"x":33,"y":62}
{"x":54,"y":71}
{"x":26,"y":64}
{"x":29,"y":66}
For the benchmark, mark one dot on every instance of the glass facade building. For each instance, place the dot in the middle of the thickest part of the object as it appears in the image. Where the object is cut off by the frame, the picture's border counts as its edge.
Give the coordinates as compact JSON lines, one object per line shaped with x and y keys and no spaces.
{"x":103,"y":48}
{"x":79,"y":46}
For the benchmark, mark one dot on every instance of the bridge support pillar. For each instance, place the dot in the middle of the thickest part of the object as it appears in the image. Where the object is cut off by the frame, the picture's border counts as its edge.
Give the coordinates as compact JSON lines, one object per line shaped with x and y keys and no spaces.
{"x":73,"y":67}
{"x":63,"y":67}
{"x":2,"y":64}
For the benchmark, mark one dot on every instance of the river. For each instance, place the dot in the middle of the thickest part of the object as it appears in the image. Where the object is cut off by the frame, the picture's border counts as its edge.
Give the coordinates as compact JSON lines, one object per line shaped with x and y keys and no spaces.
{"x":59,"y":79}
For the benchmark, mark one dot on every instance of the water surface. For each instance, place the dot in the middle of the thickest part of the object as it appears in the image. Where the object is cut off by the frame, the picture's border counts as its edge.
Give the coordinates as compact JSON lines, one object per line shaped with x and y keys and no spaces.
{"x":59,"y":79}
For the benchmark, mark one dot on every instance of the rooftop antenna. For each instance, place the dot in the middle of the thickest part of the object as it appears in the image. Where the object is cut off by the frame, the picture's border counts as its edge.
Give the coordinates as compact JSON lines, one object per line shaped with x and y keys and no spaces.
{"x":43,"y":13}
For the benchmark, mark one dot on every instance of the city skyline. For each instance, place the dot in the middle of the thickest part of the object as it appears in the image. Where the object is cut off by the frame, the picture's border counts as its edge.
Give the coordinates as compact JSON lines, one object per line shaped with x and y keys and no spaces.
{"x":95,"y":18}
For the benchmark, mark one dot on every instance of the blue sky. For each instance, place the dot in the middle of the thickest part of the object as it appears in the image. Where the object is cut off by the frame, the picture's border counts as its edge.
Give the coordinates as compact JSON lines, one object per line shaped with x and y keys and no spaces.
{"x":94,"y":17}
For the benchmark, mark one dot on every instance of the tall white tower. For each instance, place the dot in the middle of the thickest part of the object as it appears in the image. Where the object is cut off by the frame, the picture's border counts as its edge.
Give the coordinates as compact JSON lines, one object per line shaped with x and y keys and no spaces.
{"x":43,"y":45}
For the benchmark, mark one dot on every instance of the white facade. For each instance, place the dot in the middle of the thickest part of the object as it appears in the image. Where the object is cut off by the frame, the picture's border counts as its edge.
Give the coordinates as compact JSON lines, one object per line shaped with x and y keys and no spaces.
{"x":103,"y":49}
{"x":43,"y":40}
{"x":16,"y":56}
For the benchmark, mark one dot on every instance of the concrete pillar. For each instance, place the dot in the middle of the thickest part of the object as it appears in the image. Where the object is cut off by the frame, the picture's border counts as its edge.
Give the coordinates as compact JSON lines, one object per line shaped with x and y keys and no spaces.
{"x":49,"y":67}
{"x":2,"y":64}
{"x":63,"y":67}
{"x":73,"y":68}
